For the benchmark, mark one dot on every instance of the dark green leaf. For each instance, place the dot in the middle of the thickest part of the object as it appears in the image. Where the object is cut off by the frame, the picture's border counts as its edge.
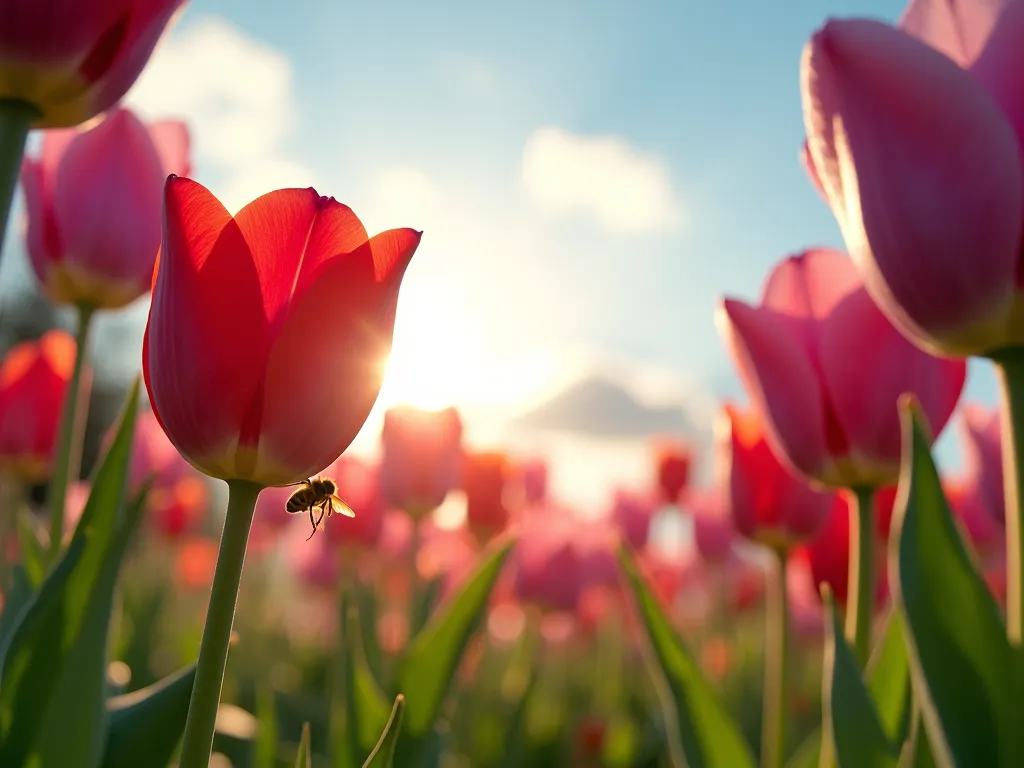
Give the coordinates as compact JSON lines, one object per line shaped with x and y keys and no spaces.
{"x":383,"y":754}
{"x":15,"y":601}
{"x":917,"y":752}
{"x":434,"y":654}
{"x":60,"y":630}
{"x":33,"y":553}
{"x":266,"y":729}
{"x":304,"y":758}
{"x":849,"y":713}
{"x":960,"y":660}
{"x":702,"y":730}
{"x":146,"y":725}
{"x":806,"y":755}
{"x":423,"y":604}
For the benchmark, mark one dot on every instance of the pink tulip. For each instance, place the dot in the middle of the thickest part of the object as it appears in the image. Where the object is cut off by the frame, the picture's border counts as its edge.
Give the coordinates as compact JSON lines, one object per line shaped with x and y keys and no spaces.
{"x":981,"y":439}
{"x":548,"y":565}
{"x":421,"y":455}
{"x":72,"y":61}
{"x":531,"y":479}
{"x":632,"y":514}
{"x":984,"y":533}
{"x":769,"y":504}
{"x":94,"y":200}
{"x":922,"y":166}
{"x":824,"y":368}
{"x":359,"y":487}
{"x":713,"y":529}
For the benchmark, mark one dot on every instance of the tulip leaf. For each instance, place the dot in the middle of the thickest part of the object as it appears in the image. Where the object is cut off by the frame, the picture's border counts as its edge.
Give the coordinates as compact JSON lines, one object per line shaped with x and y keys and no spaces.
{"x":807,"y":754}
{"x":53,"y":665}
{"x":917,"y":752}
{"x":434,"y":654}
{"x":266,"y":728}
{"x":33,"y":554}
{"x":960,"y":660}
{"x":424,"y":599}
{"x":304,"y":758}
{"x":14,"y":601}
{"x":848,"y":711}
{"x":383,"y":755}
{"x":704,"y":733}
{"x":359,"y":709}
{"x":146,"y":725}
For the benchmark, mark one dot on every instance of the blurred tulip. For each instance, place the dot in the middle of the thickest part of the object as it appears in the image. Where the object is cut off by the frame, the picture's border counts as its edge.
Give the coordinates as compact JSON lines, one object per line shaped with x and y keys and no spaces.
{"x":828,"y":556}
{"x":922,"y":167}
{"x":445,"y":553}
{"x":315,"y":563}
{"x":359,"y":486}
{"x":195,"y":562}
{"x":154,"y":460}
{"x":744,"y":581}
{"x":271,"y":380}
{"x":824,"y":368}
{"x":72,"y":62}
{"x":672,"y":461}
{"x":93,"y":202}
{"x":178,"y":509}
{"x":74,"y":505}
{"x":531,"y":478}
{"x":395,"y":536}
{"x":985,"y":534}
{"x":34,"y":379}
{"x":981,"y":439}
{"x":713,"y":527}
{"x":769,"y":504}
{"x":596,"y":541}
{"x":548,"y":566}
{"x":805,"y":610}
{"x":483,"y":480}
{"x":421,"y":453}
{"x":664,"y":575}
{"x":632,"y":514}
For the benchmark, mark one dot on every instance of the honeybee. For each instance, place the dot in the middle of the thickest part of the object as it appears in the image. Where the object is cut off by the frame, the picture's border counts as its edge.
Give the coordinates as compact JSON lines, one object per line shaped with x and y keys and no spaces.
{"x":319,"y":493}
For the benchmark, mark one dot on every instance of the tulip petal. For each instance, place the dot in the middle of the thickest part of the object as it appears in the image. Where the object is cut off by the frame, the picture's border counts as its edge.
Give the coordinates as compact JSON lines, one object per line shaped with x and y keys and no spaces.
{"x":107,"y":201}
{"x":958,"y":28}
{"x":867,"y":364}
{"x":174,"y":146}
{"x":326,"y":365}
{"x":812,"y":173}
{"x":936,"y":181}
{"x":206,"y":299}
{"x":291,"y":233}
{"x":780,"y":380}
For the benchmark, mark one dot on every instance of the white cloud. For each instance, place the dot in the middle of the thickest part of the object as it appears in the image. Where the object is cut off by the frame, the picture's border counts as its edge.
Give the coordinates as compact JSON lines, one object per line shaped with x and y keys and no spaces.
{"x":236,"y":95}
{"x":602,"y":176}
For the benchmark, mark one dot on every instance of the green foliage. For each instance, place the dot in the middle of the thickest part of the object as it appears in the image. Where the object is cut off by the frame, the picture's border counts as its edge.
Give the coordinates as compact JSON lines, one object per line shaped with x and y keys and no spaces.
{"x":383,"y":754}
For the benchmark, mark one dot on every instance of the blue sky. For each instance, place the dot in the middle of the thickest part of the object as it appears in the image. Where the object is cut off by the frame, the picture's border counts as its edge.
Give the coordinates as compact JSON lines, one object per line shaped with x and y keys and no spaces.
{"x":590,"y":175}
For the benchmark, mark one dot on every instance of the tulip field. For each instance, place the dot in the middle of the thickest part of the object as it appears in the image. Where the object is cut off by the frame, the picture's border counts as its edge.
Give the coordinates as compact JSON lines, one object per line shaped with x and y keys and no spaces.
{"x":226,"y":583}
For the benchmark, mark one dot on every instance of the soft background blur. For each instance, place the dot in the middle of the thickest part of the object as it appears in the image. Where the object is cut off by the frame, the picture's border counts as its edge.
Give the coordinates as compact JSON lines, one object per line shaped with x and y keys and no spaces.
{"x":590,"y":176}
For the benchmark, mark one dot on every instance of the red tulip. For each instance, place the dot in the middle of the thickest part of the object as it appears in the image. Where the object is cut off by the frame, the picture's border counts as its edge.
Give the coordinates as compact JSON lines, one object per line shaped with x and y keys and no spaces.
{"x":769,"y":504}
{"x":268,"y":331}
{"x":632,"y":513}
{"x":420,"y":458}
{"x":483,"y":480}
{"x":828,"y":555}
{"x":195,"y":563}
{"x":93,"y":201}
{"x":983,"y":457}
{"x":984,"y":533}
{"x":922,"y":166}
{"x":673,"y":462}
{"x":178,"y":509}
{"x":824,"y":368}
{"x":34,"y":378}
{"x":359,"y":487}
{"x":73,"y":61}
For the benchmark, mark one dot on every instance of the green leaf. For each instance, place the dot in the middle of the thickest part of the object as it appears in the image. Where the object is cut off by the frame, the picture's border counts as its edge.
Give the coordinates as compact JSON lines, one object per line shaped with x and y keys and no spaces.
{"x":434,"y":654}
{"x":917,"y":752}
{"x":304,"y":758}
{"x":33,"y":553}
{"x":146,"y":725}
{"x":848,"y":711}
{"x":15,"y":601}
{"x":704,"y":733}
{"x":806,"y":755}
{"x":55,"y":659}
{"x":962,"y":665}
{"x":383,"y":755}
{"x":266,"y":729}
{"x":425,"y":598}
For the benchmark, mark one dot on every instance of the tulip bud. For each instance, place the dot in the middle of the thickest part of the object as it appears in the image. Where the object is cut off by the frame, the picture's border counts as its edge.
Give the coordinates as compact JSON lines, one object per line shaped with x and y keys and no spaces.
{"x":421,"y":453}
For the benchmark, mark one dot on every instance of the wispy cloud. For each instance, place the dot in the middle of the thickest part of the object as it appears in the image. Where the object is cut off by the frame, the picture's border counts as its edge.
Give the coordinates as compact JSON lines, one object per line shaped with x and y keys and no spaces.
{"x":236,"y":93}
{"x":601,"y":176}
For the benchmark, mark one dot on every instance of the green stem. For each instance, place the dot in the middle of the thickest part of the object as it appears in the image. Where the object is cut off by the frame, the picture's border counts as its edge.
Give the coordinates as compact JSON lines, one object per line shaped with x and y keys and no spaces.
{"x":197,"y":743}
{"x":70,"y":433}
{"x":16,"y":118}
{"x":776,"y":667}
{"x":1010,"y":368}
{"x":860,"y":606}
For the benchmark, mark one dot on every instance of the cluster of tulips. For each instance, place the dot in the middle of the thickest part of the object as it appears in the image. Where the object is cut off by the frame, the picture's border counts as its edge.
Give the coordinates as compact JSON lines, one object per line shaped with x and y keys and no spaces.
{"x":518,"y":631}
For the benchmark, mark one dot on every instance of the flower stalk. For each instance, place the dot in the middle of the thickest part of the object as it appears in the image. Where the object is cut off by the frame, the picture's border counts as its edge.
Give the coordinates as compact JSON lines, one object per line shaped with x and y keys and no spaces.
{"x":16,"y":118}
{"x":1010,"y":369}
{"x":861,"y":574}
{"x":776,"y":666}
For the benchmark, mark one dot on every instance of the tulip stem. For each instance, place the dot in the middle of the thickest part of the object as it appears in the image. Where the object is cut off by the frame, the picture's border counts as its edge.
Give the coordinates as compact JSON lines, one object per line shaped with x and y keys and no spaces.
{"x":776,"y":668}
{"x":1010,"y":368}
{"x":16,"y":118}
{"x":197,"y":743}
{"x":861,"y":575}
{"x":71,"y":433}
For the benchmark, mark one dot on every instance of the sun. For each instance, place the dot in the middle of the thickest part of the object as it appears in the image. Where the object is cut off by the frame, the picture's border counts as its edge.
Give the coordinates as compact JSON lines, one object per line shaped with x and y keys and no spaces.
{"x":441,"y":357}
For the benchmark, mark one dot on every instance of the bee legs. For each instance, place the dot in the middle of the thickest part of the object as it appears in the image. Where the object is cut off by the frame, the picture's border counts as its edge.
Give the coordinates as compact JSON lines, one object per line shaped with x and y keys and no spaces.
{"x":312,"y":522}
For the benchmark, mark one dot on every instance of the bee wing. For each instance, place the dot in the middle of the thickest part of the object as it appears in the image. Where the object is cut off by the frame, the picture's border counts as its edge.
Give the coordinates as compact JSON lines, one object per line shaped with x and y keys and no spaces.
{"x":339,"y":507}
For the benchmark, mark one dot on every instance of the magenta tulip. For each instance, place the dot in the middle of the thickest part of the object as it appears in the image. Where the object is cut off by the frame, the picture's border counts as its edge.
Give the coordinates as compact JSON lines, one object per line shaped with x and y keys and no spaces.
{"x":824,"y":368}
